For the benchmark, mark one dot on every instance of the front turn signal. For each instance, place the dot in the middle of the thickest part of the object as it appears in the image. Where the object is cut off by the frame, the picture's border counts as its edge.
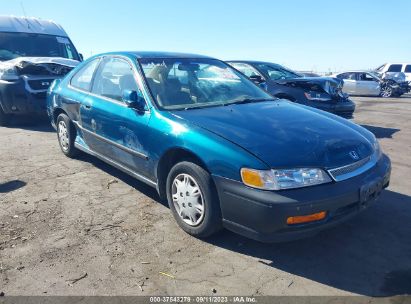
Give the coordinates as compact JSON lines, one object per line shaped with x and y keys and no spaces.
{"x":301,"y":219}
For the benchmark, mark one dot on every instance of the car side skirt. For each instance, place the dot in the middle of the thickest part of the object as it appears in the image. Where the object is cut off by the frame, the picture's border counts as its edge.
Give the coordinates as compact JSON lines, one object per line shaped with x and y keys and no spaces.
{"x":116,"y":165}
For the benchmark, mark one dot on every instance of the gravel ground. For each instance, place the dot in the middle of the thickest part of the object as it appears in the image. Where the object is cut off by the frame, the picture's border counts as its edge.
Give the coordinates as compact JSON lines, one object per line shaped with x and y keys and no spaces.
{"x":81,"y":227}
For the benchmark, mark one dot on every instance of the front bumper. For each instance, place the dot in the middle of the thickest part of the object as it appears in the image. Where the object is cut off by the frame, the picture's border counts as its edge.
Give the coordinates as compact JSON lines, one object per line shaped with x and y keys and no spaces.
{"x":343,"y":107}
{"x":18,"y":98}
{"x":403,"y":88}
{"x":262,"y":215}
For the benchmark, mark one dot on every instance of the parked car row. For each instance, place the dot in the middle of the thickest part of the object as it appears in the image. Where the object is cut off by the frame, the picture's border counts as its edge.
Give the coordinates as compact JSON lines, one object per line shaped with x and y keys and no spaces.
{"x":216,"y":146}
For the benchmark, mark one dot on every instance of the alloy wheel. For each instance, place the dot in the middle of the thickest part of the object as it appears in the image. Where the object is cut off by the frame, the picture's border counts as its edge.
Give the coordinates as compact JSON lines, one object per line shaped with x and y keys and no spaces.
{"x":386,"y":91}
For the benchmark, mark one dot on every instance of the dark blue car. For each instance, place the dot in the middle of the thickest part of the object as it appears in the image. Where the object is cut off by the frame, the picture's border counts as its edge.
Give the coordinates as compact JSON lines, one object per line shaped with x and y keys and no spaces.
{"x":324,"y":93}
{"x":221,"y":150}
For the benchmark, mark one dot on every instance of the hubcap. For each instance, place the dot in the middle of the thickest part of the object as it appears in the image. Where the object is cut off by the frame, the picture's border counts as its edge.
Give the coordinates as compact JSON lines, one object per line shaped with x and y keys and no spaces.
{"x":63,"y":135}
{"x":188,"y":199}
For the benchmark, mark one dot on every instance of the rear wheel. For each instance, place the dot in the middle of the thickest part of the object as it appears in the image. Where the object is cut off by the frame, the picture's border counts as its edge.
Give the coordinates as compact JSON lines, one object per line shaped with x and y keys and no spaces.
{"x":193,"y":199}
{"x":66,"y":134}
{"x":4,"y":118}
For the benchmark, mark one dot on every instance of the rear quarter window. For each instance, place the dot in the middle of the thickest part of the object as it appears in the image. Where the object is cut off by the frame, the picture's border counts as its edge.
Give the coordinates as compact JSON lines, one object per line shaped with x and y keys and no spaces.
{"x":407,"y":68}
{"x":82,"y":79}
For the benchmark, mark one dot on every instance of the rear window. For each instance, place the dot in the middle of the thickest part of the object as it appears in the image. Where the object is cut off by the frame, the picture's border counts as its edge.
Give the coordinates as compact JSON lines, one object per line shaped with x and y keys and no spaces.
{"x":395,"y":68}
{"x":407,"y":68}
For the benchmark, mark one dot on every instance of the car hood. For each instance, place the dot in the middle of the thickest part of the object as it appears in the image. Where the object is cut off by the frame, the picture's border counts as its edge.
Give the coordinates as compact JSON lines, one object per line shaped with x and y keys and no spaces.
{"x":329,"y":85}
{"x":40,"y":65}
{"x":283,"y":134}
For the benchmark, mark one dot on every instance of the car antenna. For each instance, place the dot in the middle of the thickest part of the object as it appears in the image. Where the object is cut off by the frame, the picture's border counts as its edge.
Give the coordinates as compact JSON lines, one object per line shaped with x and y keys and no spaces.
{"x":24,"y":13}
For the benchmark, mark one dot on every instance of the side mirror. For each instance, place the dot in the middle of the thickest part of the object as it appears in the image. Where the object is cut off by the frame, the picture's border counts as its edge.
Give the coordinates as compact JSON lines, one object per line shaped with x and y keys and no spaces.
{"x":257,"y":79}
{"x":81,"y":57}
{"x":134,"y":100}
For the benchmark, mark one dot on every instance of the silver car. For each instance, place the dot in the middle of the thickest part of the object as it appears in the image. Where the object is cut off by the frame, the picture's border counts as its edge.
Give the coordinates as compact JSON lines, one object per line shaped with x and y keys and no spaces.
{"x":361,"y":83}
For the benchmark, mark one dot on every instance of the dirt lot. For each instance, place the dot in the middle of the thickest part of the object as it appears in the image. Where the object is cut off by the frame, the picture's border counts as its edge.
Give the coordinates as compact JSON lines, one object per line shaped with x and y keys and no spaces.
{"x":80,"y":227}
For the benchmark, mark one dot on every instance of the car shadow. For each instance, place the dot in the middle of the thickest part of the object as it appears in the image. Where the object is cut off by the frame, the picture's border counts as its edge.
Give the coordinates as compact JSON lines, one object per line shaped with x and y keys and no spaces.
{"x":381,"y":132}
{"x":31,"y":124}
{"x":368,"y":255}
{"x":11,"y":186}
{"x":124,"y":177}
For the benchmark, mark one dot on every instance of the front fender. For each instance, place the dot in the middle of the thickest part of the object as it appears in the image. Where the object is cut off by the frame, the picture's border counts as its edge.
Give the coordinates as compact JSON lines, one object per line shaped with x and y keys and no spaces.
{"x":220,"y":156}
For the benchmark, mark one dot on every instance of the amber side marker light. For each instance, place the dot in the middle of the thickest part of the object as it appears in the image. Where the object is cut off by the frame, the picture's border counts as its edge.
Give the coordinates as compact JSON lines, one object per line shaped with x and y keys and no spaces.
{"x":292,"y":220}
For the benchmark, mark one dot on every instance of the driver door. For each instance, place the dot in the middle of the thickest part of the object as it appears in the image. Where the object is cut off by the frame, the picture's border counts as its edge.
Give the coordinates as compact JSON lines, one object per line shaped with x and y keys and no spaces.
{"x":116,"y":131}
{"x":367,"y":85}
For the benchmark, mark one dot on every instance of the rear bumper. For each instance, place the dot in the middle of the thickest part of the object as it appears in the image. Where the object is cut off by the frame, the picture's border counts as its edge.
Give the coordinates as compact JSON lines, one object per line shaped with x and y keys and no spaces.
{"x":262,"y":215}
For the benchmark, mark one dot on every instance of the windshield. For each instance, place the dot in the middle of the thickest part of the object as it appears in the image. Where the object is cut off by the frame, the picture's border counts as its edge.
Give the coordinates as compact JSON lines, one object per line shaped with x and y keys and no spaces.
{"x":13,"y":45}
{"x":191,"y":83}
{"x":276,"y":72}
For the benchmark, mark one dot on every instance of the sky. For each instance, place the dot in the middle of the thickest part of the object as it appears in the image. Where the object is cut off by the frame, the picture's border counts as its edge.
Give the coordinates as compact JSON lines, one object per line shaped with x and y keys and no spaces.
{"x":317,"y":35}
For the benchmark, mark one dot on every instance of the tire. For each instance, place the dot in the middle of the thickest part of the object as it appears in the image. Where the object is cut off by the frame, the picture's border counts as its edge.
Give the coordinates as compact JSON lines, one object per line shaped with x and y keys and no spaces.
{"x":66,"y":135}
{"x":4,"y":118}
{"x":203,"y":223}
{"x":386,"y":90}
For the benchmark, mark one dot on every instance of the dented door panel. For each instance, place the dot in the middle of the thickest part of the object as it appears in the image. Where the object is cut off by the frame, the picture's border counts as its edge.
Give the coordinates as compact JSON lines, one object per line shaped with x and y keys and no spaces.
{"x":117,"y":132}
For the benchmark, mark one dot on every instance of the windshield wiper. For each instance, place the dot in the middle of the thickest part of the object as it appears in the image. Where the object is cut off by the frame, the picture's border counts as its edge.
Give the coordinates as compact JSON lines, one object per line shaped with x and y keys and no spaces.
{"x":249,"y":100}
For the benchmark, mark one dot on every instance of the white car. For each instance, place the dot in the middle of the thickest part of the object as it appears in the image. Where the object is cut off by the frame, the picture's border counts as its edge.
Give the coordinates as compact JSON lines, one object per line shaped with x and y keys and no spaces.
{"x":396,"y":68}
{"x":366,"y":83}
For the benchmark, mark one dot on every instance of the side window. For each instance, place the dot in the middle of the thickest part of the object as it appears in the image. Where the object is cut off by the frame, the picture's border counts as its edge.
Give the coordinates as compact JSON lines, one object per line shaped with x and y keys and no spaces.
{"x":342,"y":76}
{"x":349,"y":76}
{"x":246,"y":69}
{"x":407,"y":68}
{"x":82,"y":79}
{"x":365,"y":77}
{"x":395,"y":68}
{"x":113,"y":77}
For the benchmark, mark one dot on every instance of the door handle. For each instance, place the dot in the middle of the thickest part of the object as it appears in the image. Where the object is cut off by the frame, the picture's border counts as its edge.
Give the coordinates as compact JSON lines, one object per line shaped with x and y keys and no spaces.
{"x":87,"y":106}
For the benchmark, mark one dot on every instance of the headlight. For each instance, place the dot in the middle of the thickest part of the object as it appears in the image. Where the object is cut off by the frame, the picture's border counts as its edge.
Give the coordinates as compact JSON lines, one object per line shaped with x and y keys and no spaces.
{"x":377,"y":148}
{"x":278,"y":179}
{"x":315,"y":96}
{"x":8,"y":74}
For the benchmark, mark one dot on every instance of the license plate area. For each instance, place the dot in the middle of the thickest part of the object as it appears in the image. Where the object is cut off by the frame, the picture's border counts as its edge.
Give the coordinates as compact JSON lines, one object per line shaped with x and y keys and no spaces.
{"x":371,"y":191}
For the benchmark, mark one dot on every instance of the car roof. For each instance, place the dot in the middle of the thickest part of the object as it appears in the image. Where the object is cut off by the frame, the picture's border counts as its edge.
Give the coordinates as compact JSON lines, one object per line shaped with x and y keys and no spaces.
{"x":253,"y":62}
{"x":12,"y":24}
{"x":148,"y":54}
{"x":406,"y":63}
{"x":355,"y":71}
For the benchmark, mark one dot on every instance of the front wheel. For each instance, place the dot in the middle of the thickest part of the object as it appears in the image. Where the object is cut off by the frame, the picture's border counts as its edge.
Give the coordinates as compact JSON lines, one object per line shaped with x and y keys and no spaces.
{"x":66,"y":134}
{"x":386,"y":91}
{"x":193,"y":199}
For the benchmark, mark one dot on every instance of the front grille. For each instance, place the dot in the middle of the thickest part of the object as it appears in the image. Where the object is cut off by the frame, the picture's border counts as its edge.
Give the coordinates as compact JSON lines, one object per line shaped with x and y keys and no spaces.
{"x":40,"y":84}
{"x":340,"y":172}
